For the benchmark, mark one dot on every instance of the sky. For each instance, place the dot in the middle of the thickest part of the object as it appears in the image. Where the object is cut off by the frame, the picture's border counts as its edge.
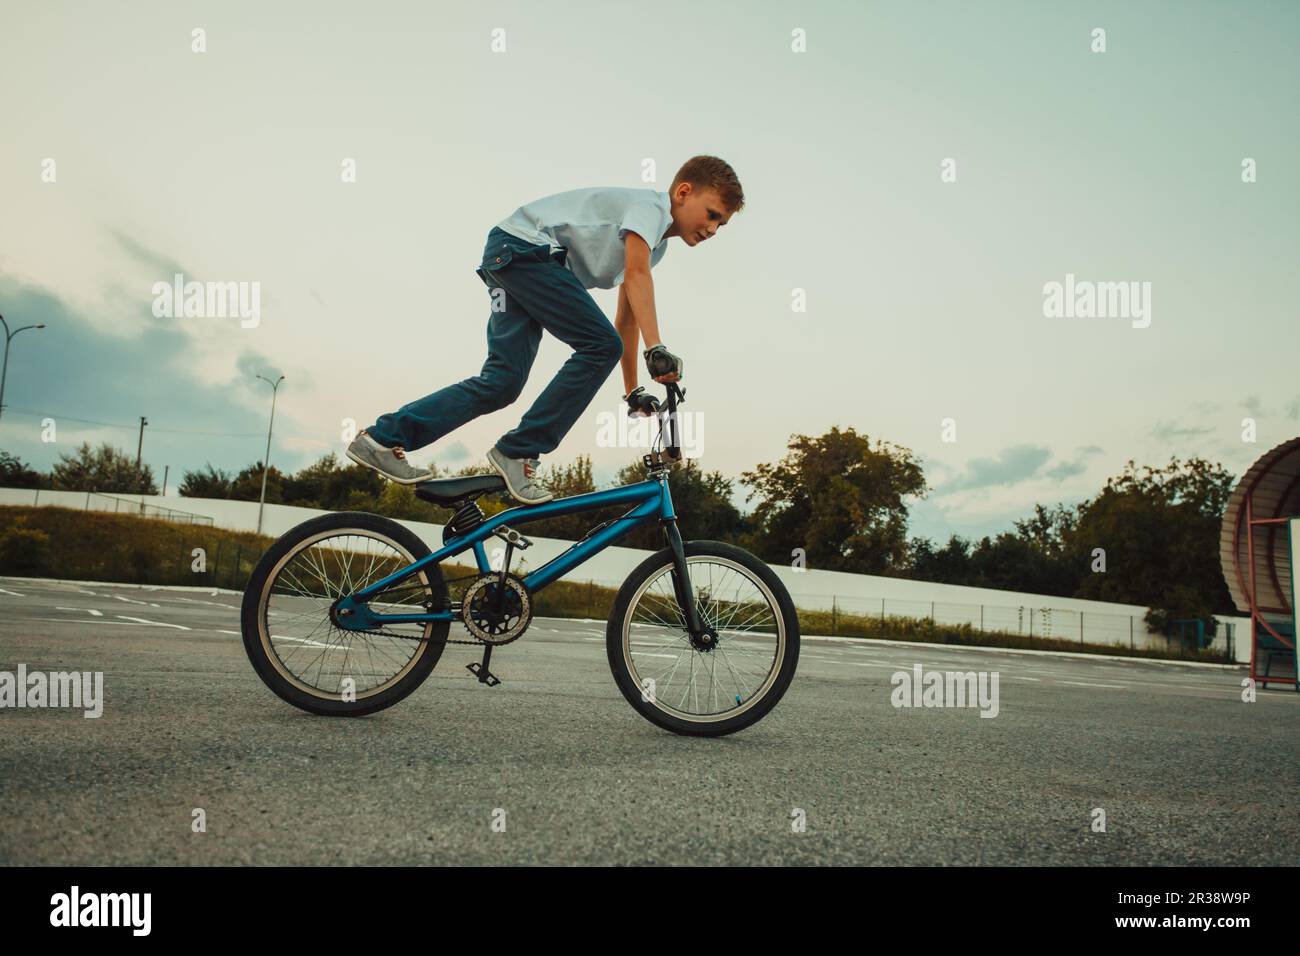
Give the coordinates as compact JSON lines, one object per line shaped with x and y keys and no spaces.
{"x":916,"y":175}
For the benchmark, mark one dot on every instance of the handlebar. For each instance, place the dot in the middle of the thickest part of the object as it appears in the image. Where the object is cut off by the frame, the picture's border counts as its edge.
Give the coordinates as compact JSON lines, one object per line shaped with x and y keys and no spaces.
{"x":676,"y":395}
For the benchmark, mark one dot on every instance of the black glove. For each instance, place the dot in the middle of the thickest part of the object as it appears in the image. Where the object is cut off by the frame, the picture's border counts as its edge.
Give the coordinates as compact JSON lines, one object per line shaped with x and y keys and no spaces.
{"x":660,"y":361}
{"x":640,"y":403}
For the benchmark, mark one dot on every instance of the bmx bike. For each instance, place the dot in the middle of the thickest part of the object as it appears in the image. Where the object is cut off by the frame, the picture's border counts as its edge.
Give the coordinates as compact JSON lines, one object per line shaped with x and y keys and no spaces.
{"x":348,"y":613}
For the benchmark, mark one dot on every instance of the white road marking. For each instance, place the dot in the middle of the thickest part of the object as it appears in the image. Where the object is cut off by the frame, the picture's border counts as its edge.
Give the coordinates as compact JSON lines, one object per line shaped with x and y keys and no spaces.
{"x":14,"y":593}
{"x":301,"y":640}
{"x":89,"y":610}
{"x":140,"y":620}
{"x":129,"y":622}
{"x":131,"y":600}
{"x":1079,"y":683}
{"x":228,"y":607}
{"x":1046,"y":673}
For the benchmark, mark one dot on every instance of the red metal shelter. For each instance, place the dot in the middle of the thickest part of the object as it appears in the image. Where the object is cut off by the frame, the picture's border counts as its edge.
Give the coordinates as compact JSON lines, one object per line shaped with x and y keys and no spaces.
{"x":1255,"y":552}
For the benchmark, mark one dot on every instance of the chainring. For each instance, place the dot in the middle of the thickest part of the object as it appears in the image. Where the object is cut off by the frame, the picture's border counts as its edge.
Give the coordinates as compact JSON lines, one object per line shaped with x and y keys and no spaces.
{"x":489,"y":625}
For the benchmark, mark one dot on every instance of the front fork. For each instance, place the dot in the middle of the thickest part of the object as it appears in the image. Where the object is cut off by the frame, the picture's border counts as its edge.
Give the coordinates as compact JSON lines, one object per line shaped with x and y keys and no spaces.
{"x":700,"y":637}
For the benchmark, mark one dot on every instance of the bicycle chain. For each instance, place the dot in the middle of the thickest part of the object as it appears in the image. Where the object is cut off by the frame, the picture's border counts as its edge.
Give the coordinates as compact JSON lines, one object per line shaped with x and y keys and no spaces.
{"x":407,"y":637}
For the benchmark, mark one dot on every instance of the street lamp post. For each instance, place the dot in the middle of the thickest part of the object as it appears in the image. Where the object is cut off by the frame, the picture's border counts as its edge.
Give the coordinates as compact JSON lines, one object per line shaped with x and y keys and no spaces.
{"x":5,"y":371}
{"x":266,"y":462}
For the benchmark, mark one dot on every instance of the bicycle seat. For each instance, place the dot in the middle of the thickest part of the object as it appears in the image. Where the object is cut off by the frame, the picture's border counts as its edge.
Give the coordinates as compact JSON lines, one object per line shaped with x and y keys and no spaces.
{"x":450,"y":491}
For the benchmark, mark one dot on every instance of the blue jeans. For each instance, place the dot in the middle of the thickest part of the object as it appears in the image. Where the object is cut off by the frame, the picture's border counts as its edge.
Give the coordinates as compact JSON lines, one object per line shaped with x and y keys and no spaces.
{"x":531,"y":290}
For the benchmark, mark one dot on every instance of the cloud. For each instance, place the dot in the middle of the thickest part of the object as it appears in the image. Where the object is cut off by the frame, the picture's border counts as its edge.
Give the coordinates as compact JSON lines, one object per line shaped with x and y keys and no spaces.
{"x":96,"y":384}
{"x":453,"y":454}
{"x":1066,"y":469}
{"x":249,"y":365}
{"x":1012,"y":466}
{"x":1077,"y":466}
{"x":1172,"y":431}
{"x":155,"y":262}
{"x":936,"y":468}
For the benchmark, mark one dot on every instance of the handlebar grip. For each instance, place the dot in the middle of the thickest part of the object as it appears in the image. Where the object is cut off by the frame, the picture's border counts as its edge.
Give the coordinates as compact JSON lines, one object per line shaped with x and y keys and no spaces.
{"x":660,"y":364}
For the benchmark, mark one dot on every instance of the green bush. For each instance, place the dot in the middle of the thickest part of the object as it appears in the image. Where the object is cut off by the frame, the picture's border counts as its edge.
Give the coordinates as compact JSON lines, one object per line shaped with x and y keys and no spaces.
{"x":24,"y":551}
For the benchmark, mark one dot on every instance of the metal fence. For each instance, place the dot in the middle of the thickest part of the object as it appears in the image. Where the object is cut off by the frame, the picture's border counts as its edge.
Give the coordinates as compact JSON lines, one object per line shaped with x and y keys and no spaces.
{"x":98,"y":502}
{"x":1083,"y":627}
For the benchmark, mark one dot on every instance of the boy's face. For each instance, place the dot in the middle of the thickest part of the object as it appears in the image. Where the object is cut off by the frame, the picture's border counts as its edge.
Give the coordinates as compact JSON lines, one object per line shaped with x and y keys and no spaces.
{"x":697,"y":213}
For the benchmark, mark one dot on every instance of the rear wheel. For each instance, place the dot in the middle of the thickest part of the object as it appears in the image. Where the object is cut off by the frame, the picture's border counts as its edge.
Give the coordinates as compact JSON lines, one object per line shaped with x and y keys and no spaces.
{"x":723,"y":686}
{"x":296,"y":647}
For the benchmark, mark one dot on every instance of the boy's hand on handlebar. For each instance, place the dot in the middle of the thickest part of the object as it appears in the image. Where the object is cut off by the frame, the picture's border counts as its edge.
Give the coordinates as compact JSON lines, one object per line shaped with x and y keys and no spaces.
{"x":662,"y":364}
{"x":640,"y":404}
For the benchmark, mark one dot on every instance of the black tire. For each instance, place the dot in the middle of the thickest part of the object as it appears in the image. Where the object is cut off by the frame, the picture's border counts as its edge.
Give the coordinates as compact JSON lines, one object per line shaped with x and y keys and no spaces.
{"x":257,"y":635}
{"x":785,"y":621}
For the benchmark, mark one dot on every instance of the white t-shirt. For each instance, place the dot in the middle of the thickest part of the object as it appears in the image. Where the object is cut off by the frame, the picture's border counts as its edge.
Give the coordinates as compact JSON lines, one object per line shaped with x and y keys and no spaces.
{"x":591,"y":223}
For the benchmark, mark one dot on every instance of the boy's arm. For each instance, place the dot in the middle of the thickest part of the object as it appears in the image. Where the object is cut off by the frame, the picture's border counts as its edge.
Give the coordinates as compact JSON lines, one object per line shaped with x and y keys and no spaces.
{"x":625,"y":324}
{"x":636,"y":306}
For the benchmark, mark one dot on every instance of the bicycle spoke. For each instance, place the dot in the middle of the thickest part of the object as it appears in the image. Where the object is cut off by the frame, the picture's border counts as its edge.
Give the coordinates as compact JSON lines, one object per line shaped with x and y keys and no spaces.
{"x":306,"y":644}
{"x":704,"y":684}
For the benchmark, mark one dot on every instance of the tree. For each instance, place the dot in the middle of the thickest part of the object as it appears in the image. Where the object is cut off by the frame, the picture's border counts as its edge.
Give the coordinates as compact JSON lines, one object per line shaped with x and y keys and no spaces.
{"x":15,"y":474}
{"x":1009,"y":563}
{"x":563,"y":482}
{"x":338,"y":485}
{"x":948,"y":565}
{"x":568,"y":480}
{"x":399,"y":501}
{"x":1048,"y":529}
{"x":1160,"y":534}
{"x":107,"y":470}
{"x":328,"y":485}
{"x":306,"y":487}
{"x":701,"y":499}
{"x":209,"y":483}
{"x":247,"y":485}
{"x":837,"y":498}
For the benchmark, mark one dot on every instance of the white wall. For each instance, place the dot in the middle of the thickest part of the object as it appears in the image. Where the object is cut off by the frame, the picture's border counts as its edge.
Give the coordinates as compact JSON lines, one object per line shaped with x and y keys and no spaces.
{"x":1294,"y":527}
{"x":1240,"y":637}
{"x":812,"y":589}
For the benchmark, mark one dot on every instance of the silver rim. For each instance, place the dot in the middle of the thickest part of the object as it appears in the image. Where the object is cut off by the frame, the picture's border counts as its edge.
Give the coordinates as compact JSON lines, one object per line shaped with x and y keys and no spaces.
{"x":697,"y":686}
{"x":307,"y":649}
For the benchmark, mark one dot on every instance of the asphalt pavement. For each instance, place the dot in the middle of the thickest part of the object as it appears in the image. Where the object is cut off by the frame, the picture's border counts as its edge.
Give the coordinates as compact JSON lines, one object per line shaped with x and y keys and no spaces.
{"x":554,"y":767}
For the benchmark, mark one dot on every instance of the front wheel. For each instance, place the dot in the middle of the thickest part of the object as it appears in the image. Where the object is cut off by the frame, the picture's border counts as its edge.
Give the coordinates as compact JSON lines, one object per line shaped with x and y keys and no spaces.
{"x":724,"y":686}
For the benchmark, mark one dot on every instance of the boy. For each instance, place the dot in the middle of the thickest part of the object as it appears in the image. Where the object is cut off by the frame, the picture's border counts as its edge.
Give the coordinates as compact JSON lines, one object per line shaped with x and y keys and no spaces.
{"x":538,"y":264}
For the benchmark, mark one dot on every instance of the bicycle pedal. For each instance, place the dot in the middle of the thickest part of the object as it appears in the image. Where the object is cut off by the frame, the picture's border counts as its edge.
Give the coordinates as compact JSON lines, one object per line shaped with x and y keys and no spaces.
{"x":484,"y":675}
{"x":511,"y":536}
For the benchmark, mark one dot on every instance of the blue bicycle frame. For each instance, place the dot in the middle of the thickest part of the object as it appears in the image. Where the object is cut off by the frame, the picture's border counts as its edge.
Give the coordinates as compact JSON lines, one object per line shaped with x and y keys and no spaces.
{"x":651,"y":499}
